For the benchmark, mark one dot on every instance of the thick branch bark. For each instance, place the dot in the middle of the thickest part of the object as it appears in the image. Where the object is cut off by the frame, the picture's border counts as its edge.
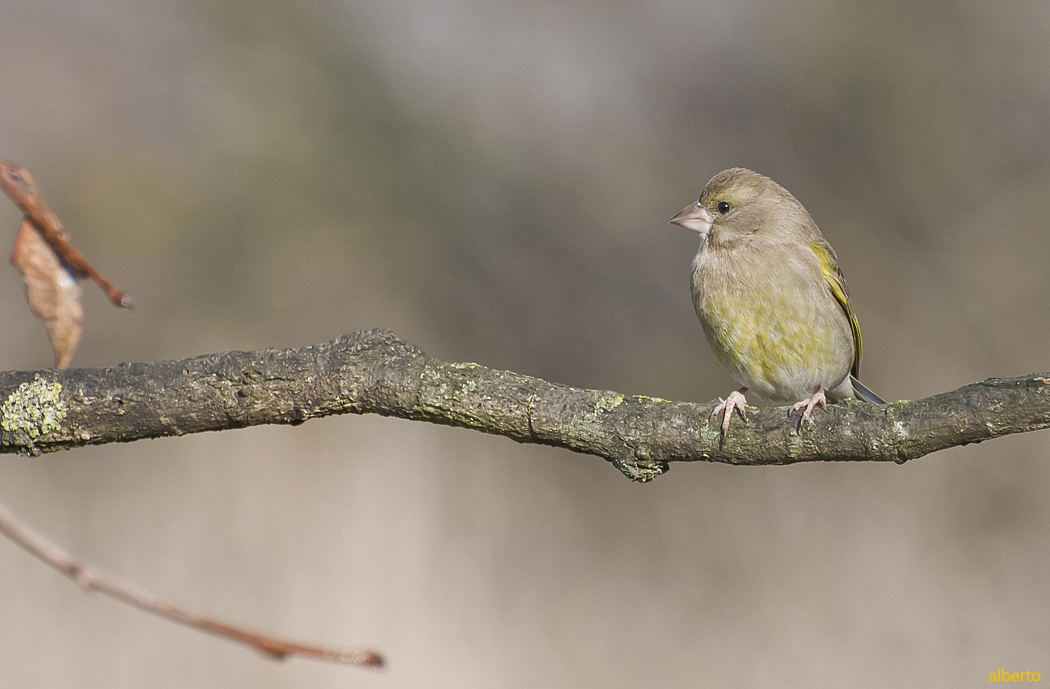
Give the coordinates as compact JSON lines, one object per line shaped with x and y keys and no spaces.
{"x":374,"y":372}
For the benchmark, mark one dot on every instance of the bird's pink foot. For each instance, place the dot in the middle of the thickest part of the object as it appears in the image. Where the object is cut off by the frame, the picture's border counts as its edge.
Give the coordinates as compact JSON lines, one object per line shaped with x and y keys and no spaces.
{"x":810,"y":403}
{"x":734,"y":401}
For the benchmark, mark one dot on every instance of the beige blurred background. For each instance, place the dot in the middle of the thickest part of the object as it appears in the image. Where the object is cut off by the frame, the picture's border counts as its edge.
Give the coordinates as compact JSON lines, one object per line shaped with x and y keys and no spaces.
{"x":492,"y":180}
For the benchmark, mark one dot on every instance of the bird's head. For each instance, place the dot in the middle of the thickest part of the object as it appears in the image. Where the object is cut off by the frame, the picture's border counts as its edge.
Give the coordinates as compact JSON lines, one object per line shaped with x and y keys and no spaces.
{"x":738,"y":202}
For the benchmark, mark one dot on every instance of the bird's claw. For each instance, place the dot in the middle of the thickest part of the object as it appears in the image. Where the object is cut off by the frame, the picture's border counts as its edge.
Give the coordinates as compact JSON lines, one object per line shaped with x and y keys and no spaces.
{"x":810,"y":404}
{"x":734,"y":401}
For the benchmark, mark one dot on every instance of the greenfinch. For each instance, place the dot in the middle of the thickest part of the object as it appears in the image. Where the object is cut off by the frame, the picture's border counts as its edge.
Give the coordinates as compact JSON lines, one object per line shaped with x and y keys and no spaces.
{"x":771,"y":298}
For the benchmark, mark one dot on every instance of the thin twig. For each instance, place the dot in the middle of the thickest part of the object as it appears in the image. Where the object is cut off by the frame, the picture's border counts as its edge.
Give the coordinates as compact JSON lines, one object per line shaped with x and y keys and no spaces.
{"x":92,"y":579}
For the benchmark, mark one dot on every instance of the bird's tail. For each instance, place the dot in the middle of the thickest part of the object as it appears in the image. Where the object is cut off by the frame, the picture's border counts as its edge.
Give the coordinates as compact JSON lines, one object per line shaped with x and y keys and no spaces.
{"x":864,"y":393}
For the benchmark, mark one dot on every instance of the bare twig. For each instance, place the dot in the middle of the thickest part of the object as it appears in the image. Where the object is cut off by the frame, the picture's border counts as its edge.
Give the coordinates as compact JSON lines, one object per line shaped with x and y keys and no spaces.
{"x":95,"y":580}
{"x":374,"y":372}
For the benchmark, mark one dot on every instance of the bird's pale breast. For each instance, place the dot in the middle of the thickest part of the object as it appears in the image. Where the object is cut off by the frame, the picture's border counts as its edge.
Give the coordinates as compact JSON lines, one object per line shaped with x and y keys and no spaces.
{"x":772,"y":321}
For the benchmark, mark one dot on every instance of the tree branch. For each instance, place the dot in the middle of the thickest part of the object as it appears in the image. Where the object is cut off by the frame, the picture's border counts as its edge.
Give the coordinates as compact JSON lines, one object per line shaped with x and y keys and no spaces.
{"x":374,"y":372}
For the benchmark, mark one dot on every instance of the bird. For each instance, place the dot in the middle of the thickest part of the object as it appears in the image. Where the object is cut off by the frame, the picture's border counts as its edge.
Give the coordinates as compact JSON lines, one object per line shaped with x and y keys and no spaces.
{"x":771,"y":297}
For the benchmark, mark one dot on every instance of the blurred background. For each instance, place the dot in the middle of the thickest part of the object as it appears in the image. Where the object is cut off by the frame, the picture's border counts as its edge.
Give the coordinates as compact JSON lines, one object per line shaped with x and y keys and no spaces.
{"x":492,"y":181}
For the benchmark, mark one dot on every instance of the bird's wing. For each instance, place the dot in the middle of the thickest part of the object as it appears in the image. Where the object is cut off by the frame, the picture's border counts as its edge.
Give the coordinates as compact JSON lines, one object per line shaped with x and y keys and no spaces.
{"x":829,"y":265}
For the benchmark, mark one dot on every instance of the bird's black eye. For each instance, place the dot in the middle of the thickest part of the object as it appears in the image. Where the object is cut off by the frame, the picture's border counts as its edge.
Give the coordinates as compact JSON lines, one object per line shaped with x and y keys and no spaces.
{"x":724,"y":207}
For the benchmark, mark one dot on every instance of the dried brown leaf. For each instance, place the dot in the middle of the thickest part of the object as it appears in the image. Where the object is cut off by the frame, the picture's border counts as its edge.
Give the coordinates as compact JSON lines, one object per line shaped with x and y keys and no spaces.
{"x":19,"y":186}
{"x":52,"y":290}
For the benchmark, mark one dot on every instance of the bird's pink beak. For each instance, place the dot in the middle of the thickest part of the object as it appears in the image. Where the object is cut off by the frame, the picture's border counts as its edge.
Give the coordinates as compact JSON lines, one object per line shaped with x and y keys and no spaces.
{"x":694,"y":217}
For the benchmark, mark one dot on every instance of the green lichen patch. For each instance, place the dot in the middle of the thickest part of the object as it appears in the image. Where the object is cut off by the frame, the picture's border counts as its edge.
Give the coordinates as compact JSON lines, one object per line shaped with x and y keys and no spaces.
{"x":608,"y":403}
{"x":710,"y":434}
{"x":647,"y":398}
{"x":33,"y":410}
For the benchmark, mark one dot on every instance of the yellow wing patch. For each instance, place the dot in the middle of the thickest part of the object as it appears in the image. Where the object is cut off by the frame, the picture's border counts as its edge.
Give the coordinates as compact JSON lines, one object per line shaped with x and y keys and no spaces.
{"x":829,"y":265}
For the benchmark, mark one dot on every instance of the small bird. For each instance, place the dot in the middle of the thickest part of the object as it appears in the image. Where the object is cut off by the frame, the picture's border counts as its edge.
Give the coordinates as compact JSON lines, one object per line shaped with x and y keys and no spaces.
{"x":771,"y":298}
